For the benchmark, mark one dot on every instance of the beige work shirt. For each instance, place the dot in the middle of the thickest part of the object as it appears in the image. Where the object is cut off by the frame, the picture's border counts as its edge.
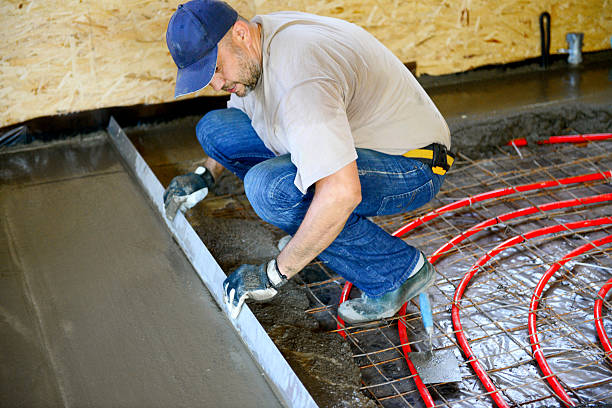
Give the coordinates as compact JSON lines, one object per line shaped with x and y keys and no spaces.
{"x":328,"y":87}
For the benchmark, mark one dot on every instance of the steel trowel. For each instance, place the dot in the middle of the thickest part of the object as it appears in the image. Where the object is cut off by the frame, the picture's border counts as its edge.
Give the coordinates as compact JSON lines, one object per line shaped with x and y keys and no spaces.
{"x":433,"y":366}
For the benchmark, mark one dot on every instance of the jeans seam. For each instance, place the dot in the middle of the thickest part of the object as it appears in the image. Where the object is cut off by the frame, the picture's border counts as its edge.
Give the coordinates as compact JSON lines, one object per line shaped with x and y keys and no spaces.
{"x":258,"y":156}
{"x":365,"y":172}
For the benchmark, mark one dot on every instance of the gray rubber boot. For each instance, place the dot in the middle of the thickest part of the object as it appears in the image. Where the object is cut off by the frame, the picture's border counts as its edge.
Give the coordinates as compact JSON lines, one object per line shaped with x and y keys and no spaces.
{"x":367,"y":309}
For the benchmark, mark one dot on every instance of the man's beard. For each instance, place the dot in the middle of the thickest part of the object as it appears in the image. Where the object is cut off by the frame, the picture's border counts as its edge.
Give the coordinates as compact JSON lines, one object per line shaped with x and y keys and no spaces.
{"x":250,"y":72}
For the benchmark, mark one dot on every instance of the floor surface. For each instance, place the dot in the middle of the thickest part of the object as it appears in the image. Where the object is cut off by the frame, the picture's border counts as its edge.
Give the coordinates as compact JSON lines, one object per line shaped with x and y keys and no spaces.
{"x":98,"y":305}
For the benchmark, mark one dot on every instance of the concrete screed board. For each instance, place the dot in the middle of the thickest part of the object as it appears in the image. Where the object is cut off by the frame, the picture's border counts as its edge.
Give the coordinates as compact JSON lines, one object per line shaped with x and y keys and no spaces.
{"x":98,"y":305}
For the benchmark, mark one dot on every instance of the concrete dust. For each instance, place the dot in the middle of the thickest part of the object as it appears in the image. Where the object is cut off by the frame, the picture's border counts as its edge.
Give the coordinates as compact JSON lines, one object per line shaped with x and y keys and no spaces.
{"x":234,"y":241}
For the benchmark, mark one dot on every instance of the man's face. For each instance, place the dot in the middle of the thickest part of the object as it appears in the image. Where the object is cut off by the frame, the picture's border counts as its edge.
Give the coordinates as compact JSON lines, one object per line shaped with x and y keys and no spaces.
{"x":236,"y":72}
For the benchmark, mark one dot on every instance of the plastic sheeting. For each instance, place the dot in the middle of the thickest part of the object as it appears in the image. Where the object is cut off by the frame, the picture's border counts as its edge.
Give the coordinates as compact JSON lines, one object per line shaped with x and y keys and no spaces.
{"x":495,"y":306}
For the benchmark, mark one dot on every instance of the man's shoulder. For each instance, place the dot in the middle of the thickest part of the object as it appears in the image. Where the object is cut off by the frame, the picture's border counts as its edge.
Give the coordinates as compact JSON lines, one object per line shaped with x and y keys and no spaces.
{"x":302,"y":27}
{"x":297,"y":17}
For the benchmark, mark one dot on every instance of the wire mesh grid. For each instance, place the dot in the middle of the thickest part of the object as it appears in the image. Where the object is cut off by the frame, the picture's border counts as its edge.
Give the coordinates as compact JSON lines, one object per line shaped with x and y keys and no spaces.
{"x":494,"y":309}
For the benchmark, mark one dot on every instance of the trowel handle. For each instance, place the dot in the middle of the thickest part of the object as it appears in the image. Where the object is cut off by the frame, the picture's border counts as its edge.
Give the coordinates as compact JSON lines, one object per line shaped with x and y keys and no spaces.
{"x":426,"y":313}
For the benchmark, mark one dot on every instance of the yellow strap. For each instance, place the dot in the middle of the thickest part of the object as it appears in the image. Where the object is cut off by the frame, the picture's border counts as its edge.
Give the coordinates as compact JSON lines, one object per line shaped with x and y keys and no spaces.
{"x":426,"y":154}
{"x":419,"y":154}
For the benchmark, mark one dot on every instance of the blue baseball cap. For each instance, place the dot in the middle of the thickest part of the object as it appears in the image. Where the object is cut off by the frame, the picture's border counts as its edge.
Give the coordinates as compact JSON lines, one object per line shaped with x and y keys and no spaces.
{"x":192,"y":36}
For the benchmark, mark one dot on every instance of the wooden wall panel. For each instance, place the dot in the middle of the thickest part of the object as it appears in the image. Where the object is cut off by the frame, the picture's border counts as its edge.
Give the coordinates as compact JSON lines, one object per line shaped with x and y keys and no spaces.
{"x":446,"y":36}
{"x":60,"y":56}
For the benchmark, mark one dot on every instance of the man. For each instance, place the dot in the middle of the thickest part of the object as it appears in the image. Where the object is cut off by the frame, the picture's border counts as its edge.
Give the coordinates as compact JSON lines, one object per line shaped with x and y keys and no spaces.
{"x":319,"y":126}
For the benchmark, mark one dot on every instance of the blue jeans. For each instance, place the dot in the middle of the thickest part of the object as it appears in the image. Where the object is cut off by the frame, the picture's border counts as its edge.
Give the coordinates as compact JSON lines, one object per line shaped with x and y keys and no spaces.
{"x":363,"y":253}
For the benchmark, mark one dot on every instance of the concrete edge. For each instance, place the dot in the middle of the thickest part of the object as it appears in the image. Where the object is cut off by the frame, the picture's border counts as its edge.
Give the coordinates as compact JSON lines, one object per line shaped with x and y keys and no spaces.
{"x":290,"y":389}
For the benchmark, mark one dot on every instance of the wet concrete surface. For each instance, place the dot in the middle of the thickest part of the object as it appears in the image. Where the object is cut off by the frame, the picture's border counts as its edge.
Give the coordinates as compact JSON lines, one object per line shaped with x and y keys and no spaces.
{"x":98,"y":305}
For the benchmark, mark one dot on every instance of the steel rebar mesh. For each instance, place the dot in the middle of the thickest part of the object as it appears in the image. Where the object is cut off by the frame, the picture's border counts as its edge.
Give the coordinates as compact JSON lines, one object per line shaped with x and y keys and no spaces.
{"x":495,"y":306}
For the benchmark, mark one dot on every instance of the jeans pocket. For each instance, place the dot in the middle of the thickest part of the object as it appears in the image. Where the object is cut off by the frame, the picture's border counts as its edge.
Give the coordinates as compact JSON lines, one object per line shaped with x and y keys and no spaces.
{"x":407,"y":201}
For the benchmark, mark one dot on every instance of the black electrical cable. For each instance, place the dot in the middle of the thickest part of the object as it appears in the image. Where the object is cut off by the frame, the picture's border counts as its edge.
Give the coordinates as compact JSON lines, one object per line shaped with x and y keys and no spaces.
{"x":545,"y":39}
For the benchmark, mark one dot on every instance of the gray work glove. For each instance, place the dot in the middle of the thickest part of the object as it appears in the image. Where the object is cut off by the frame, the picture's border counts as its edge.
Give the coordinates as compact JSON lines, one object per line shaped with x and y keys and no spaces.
{"x":258,"y":282}
{"x":187,"y":190}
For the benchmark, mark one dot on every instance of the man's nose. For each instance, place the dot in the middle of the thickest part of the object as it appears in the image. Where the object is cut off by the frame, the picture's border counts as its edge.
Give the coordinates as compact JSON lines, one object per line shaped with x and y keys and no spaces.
{"x":217,"y":82}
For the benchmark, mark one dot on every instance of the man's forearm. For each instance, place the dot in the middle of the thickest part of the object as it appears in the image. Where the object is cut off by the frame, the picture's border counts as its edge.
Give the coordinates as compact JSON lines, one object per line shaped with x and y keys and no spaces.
{"x":335,"y":198}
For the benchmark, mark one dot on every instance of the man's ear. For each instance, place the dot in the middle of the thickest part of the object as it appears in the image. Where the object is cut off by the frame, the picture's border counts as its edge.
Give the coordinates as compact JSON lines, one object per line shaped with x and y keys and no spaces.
{"x":241,"y":33}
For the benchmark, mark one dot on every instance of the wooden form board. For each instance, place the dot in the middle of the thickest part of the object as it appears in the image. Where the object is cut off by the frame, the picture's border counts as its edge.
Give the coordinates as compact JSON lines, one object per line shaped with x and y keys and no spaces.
{"x":59,"y":56}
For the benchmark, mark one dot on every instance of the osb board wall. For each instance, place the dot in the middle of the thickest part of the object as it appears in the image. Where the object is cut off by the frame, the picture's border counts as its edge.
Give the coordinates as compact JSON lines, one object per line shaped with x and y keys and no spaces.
{"x":60,"y":56}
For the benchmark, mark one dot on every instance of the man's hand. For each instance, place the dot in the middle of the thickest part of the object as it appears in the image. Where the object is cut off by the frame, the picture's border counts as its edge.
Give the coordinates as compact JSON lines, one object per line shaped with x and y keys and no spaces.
{"x":258,"y":282}
{"x":187,"y":190}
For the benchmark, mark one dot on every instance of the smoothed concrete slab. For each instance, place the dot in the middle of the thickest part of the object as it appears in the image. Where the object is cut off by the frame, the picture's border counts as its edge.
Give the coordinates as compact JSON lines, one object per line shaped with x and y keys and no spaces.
{"x":98,"y":305}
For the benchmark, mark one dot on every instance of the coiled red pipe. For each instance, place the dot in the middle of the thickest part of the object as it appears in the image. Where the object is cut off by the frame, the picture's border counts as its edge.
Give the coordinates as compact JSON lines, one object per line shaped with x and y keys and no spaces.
{"x":478,"y":198}
{"x":461,"y":338}
{"x":601,"y":333}
{"x":533,"y":307}
{"x":451,"y":207}
{"x":500,"y":193}
{"x":516,"y":214}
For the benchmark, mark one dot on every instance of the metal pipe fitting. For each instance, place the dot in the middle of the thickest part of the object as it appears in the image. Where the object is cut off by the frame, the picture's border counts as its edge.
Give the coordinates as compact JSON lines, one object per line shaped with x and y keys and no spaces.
{"x":574,"y":44}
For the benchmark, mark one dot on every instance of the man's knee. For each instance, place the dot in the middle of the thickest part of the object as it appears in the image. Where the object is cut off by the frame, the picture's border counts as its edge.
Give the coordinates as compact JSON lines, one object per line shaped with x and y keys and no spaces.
{"x":270,"y":189}
{"x":210,"y":127}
